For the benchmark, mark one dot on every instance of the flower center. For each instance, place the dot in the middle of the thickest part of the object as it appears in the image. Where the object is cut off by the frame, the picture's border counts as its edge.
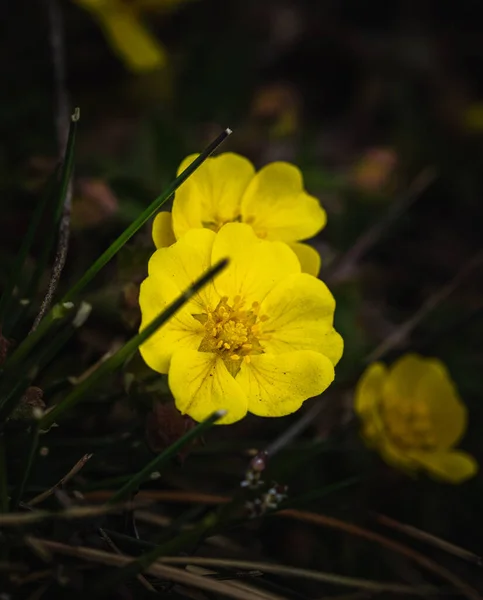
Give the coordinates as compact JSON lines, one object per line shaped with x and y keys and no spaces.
{"x":409,"y":424}
{"x":232,"y":332}
{"x":218,"y":222}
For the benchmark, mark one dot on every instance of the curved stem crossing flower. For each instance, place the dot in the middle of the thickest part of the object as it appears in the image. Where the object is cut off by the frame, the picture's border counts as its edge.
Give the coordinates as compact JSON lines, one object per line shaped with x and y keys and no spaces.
{"x":258,"y":339}
{"x":226,"y":189}
{"x":412,"y":414}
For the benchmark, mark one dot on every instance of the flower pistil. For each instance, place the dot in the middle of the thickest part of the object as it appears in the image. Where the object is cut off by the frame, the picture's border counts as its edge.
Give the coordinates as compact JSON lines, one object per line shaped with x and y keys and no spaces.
{"x":232,"y":332}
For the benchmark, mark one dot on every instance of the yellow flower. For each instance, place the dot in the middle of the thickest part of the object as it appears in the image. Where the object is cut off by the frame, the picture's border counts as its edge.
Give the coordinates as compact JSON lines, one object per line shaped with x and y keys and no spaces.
{"x":258,"y":339}
{"x":412,"y":414}
{"x":126,"y":33}
{"x":227,"y":189}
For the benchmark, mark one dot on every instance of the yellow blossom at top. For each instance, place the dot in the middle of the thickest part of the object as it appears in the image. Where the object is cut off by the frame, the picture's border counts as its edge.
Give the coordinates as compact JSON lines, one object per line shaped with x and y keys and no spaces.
{"x":226,"y":189}
{"x":258,"y":339}
{"x":412,"y":414}
{"x":126,"y":32}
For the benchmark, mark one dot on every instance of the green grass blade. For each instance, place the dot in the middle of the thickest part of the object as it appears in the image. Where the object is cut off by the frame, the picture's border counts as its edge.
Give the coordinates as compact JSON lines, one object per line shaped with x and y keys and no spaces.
{"x":30,"y":458}
{"x":145,"y":216}
{"x":58,"y":312}
{"x":68,"y":165}
{"x":27,"y":240}
{"x":115,"y":361}
{"x":162,"y":459}
{"x":39,"y":360}
{"x":49,"y":236}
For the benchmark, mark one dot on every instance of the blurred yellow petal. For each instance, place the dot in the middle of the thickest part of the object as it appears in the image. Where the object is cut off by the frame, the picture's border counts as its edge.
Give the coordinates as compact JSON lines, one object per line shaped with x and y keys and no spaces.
{"x":211,"y":197}
{"x":447,"y":413}
{"x":278,"y":208}
{"x":393,"y":455}
{"x":201,"y":384}
{"x":368,"y":393}
{"x":163,"y":235}
{"x":185,"y":261}
{"x":367,"y":403}
{"x":135,"y":45}
{"x":255,"y":266}
{"x":309,"y":258}
{"x":299,"y":313}
{"x":454,"y":467}
{"x":180,"y":331}
{"x":404,"y":375}
{"x":278,"y":385}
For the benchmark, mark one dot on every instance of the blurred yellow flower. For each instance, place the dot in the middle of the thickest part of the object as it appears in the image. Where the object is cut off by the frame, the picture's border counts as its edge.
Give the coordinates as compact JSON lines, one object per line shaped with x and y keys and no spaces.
{"x":258,"y":339}
{"x":227,"y":189}
{"x":412,"y":414}
{"x":127,"y":34}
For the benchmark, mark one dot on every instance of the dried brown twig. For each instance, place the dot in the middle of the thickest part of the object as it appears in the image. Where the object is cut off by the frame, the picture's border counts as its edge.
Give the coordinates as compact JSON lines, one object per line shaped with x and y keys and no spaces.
{"x":162,"y":571}
{"x":345,"y":266}
{"x":365,"y":584}
{"x":401,"y":333}
{"x":20,"y":519}
{"x":67,"y":477}
{"x":142,"y":580}
{"x":62,"y":120}
{"x":319,"y":520}
{"x":429,"y":539}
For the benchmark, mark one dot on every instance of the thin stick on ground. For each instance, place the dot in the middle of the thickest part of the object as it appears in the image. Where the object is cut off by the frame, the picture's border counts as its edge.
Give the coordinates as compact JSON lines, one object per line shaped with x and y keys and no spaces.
{"x":345,"y":266}
{"x":315,"y":519}
{"x":426,"y":563}
{"x":285,"y":571}
{"x":67,"y":477}
{"x":62,"y":127}
{"x":430,"y":539}
{"x":295,"y":429}
{"x":142,"y":580}
{"x":164,"y":572}
{"x":22,"y":519}
{"x":401,"y":334}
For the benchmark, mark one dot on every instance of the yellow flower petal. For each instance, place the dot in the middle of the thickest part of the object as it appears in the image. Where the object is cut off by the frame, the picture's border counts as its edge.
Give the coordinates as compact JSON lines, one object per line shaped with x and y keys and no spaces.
{"x":278,"y":385}
{"x":453,"y":467}
{"x":299,"y":312}
{"x":212,"y":195}
{"x":277,"y":206}
{"x":309,"y":258}
{"x":129,"y":38}
{"x":256,"y":266}
{"x":163,"y":235}
{"x":393,"y":455}
{"x":185,"y":261}
{"x":181,"y":331}
{"x":201,"y":384}
{"x":368,"y":393}
{"x":448,"y":414}
{"x":367,"y":399}
{"x":404,"y":375}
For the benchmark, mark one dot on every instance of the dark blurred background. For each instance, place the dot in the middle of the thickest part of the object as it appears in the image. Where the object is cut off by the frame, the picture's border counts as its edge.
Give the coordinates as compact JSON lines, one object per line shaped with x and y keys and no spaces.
{"x":381,"y":105}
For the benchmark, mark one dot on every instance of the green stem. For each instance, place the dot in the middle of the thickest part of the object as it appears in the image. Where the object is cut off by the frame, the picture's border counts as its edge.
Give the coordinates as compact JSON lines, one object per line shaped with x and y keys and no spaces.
{"x":68,"y":165}
{"x":49,"y":236}
{"x":16,"y":271}
{"x":145,"y":216}
{"x":57,"y":313}
{"x":160,"y":461}
{"x":116,"y":360}
{"x":18,"y":493}
{"x":39,"y":361}
{"x":47,"y":321}
{"x":188,"y":538}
